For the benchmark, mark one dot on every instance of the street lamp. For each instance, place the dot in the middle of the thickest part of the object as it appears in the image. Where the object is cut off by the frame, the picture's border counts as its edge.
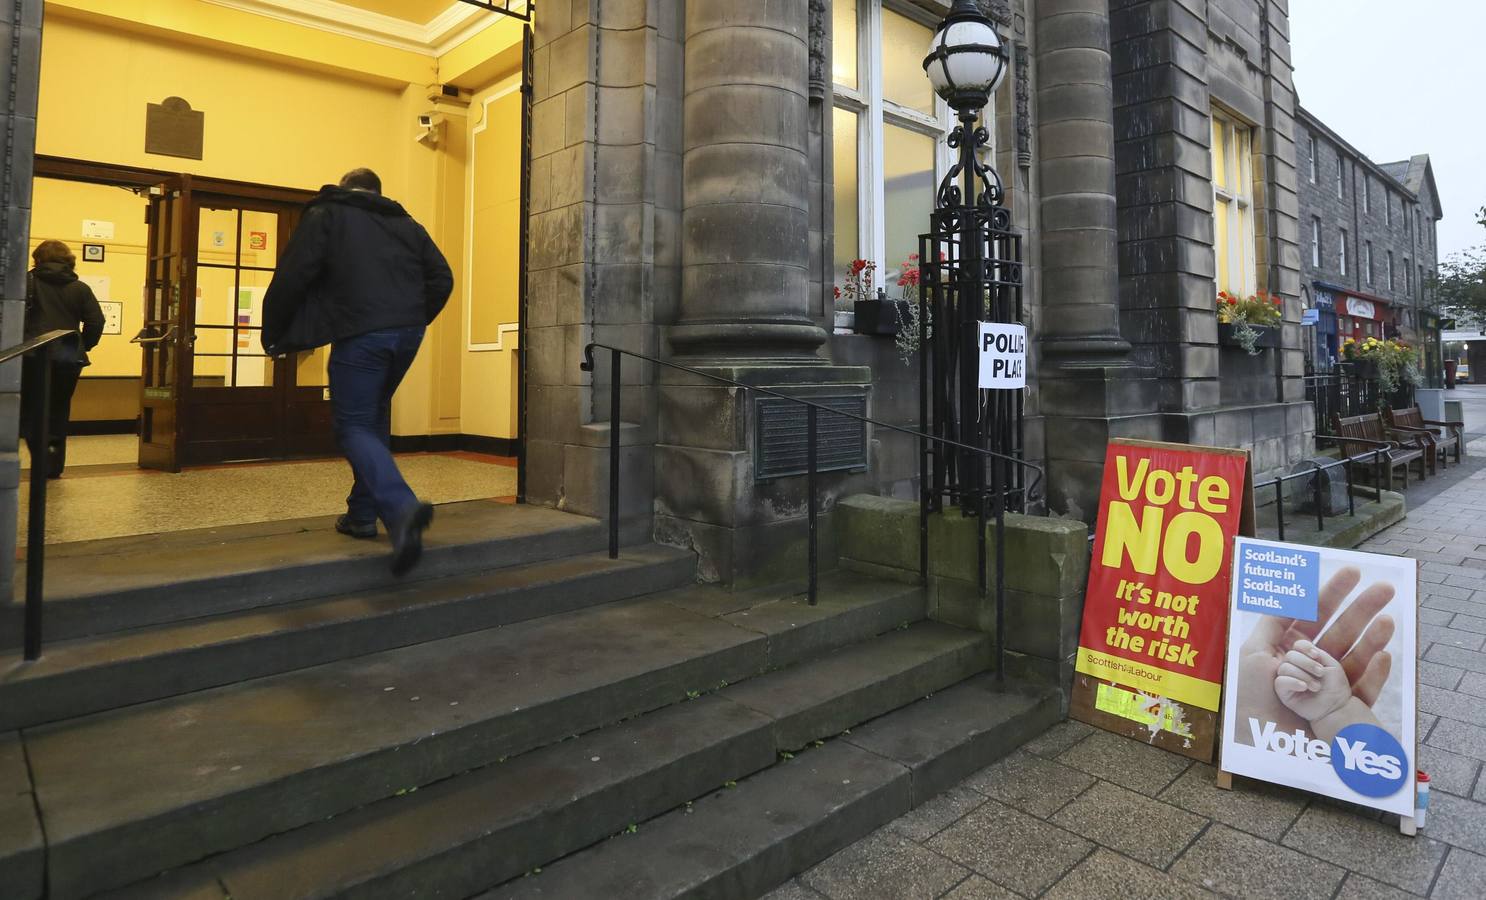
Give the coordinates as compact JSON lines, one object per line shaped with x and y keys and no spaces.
{"x":966,"y":60}
{"x":970,"y":272}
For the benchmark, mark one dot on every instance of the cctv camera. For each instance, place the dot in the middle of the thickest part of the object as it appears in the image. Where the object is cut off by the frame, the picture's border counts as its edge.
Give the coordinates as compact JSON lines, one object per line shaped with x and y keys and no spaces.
{"x":431,"y":126}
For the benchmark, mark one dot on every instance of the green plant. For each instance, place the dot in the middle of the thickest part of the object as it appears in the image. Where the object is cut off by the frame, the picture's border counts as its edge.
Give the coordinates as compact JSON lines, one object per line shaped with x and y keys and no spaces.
{"x":1397,"y":363}
{"x":1248,"y":314}
{"x":861,"y":278}
{"x":909,"y":316}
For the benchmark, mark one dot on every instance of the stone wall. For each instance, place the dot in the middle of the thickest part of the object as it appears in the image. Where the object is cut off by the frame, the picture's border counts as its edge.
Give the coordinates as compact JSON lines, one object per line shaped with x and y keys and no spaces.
{"x":605,"y":245}
{"x":1411,"y":247}
{"x":20,"y":78}
{"x":1047,"y":566}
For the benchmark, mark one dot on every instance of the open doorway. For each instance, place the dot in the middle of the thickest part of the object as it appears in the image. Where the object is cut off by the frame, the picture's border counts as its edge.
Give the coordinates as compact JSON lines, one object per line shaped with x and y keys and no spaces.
{"x":182,"y":422}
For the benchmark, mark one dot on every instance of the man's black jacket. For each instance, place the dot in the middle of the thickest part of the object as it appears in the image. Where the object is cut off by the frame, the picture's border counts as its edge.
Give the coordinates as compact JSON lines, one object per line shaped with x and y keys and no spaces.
{"x":356,"y":263}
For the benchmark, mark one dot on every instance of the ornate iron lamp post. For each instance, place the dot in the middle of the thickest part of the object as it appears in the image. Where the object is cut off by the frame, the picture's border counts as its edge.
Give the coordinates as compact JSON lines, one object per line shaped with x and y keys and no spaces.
{"x":970,"y":272}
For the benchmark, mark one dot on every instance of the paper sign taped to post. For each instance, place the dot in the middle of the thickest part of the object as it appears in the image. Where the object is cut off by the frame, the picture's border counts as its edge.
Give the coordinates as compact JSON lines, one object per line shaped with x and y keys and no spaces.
{"x":1003,"y":356}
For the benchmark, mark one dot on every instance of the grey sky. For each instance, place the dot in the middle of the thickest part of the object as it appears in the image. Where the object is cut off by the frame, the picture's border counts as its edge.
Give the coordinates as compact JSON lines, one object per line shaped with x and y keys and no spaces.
{"x":1396,"y":79}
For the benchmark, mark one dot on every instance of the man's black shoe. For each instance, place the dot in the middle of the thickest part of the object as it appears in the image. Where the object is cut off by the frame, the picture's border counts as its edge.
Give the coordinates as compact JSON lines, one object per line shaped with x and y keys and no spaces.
{"x":356,"y":530}
{"x":407,"y":538}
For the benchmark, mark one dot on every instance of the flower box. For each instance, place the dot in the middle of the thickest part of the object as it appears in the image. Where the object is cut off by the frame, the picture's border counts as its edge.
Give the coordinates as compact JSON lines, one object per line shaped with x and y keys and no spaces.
{"x":880,"y":316}
{"x":1269,"y":336}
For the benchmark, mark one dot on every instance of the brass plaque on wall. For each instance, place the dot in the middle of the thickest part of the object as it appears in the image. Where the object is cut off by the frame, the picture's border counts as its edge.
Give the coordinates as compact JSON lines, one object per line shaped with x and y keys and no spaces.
{"x":173,"y":128}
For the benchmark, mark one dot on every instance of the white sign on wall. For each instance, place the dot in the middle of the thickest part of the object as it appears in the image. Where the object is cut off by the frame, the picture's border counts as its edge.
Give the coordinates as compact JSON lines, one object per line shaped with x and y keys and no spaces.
{"x":98,"y":229}
{"x":1003,"y":356}
{"x":1320,"y":686}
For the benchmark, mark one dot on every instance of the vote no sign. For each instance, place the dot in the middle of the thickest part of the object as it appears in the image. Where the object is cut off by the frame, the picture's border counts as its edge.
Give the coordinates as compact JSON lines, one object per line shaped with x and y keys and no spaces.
{"x":1003,"y":356}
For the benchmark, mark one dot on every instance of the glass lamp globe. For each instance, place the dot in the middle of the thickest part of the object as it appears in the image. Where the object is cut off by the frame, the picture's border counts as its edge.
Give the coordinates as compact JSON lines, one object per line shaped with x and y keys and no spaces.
{"x":966,"y":60}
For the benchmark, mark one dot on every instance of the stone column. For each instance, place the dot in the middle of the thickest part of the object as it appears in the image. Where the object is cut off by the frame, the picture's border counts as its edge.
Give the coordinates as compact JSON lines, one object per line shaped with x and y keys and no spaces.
{"x":1089,"y":389}
{"x":1075,"y":104}
{"x":20,"y":80}
{"x":745,"y":222}
{"x":745,"y":311}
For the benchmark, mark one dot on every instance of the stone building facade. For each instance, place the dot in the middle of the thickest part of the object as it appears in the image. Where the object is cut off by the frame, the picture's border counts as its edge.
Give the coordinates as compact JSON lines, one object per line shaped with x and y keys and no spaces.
{"x":688,"y":202}
{"x":1369,"y":245}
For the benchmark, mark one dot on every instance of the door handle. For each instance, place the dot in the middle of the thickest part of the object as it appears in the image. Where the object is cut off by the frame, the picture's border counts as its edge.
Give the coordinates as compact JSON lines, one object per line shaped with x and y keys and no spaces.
{"x":144,"y":337}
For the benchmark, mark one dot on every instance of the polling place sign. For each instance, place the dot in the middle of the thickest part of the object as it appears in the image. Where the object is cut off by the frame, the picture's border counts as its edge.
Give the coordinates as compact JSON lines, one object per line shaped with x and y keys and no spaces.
{"x":1150,"y":654}
{"x":1003,"y":356}
{"x":1320,"y":684}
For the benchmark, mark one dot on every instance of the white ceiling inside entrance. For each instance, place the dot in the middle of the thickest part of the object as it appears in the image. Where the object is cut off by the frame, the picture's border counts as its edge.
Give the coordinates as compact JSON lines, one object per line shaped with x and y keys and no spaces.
{"x":422,"y":26}
{"x":420,"y":12}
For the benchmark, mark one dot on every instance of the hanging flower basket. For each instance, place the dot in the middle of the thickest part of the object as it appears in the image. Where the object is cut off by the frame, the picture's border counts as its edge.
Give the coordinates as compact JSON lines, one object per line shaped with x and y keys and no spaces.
{"x":1268,"y":336}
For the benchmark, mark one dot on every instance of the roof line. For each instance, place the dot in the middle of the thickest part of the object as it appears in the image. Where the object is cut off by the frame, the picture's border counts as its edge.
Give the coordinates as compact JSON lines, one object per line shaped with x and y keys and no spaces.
{"x":1308,"y":117}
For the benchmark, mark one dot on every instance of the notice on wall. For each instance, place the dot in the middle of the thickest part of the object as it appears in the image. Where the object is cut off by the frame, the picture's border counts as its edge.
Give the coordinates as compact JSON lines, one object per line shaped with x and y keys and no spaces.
{"x":101,"y":285}
{"x":1003,"y":356}
{"x":113,"y":316}
{"x":1150,"y":654}
{"x":1321,"y":675}
{"x":98,"y":229}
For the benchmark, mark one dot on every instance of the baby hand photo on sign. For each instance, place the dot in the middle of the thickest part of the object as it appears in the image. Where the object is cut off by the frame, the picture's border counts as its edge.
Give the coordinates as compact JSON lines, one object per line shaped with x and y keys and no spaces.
{"x":1291,"y":677}
{"x":1313,"y":685}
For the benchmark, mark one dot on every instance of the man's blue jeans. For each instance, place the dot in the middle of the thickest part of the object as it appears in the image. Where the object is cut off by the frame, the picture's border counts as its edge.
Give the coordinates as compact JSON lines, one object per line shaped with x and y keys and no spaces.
{"x":365,"y":371}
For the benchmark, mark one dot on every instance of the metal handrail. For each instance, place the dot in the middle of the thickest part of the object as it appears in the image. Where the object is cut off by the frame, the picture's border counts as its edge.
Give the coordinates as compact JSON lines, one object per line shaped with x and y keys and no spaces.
{"x":616,"y":356}
{"x":1377,"y":456}
{"x":36,"y":516}
{"x":35,"y":343}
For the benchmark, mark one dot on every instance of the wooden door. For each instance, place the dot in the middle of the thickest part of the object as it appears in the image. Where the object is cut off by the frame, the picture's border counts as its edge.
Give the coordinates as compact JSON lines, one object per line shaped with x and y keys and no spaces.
{"x":230,"y":400}
{"x":162,"y":340}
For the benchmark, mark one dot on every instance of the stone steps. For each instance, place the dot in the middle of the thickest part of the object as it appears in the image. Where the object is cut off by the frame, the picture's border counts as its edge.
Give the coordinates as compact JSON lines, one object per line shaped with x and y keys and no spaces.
{"x":101,"y":587}
{"x":745,"y":840}
{"x":100,"y":672}
{"x":220,"y":769}
{"x":478,"y":829}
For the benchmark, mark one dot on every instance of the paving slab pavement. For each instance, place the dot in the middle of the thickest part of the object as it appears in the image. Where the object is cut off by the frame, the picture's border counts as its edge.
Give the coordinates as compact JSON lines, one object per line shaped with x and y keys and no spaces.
{"x":1080,"y":813}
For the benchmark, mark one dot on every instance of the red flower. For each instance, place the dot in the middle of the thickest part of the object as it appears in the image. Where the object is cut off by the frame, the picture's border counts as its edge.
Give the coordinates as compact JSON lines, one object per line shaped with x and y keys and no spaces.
{"x":857,"y":265}
{"x":1232,"y":301}
{"x":837,"y":289}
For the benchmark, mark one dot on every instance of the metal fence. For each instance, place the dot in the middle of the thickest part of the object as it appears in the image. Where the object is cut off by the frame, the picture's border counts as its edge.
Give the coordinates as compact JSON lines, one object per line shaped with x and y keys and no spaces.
{"x":1350,"y":395}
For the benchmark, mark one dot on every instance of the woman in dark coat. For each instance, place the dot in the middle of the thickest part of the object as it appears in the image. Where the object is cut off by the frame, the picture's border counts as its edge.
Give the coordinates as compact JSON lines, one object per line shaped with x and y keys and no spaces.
{"x":56,"y":301}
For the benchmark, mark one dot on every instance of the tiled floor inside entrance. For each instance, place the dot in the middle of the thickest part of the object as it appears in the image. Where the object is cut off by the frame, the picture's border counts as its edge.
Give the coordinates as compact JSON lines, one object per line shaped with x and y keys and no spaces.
{"x":103,"y":494}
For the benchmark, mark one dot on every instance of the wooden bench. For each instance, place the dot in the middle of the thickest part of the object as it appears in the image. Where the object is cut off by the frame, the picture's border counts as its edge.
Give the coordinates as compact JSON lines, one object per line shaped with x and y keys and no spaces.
{"x":1447,"y":435}
{"x":1364,"y":435}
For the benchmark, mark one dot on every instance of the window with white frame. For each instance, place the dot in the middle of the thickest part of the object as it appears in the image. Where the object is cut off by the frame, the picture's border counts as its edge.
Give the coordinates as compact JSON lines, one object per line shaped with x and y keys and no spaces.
{"x":1367,"y":262}
{"x":1408,"y":278}
{"x":1316,"y":241}
{"x":1390,"y":270}
{"x":1388,"y":205}
{"x":1233,"y":205}
{"x":1311,"y":146}
{"x":888,"y":129}
{"x":1366,"y":193}
{"x":1341,"y":177}
{"x":1342,"y":245}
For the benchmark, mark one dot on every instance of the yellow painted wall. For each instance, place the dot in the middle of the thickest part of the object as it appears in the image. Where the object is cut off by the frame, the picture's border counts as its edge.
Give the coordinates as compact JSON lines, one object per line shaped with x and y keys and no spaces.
{"x":58,"y":211}
{"x":265,"y":122}
{"x":298,"y":122}
{"x":491,"y":298}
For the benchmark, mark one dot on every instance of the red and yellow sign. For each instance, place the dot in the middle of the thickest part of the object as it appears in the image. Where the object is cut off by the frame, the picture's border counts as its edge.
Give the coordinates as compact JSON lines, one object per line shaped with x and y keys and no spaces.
{"x":1155,"y":615}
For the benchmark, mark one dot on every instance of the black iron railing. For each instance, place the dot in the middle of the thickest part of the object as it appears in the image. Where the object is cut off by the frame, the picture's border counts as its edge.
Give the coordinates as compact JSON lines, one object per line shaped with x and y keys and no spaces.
{"x":1378,"y":457}
{"x":38,"y":437}
{"x":1024,"y":494}
{"x":1351,"y":395}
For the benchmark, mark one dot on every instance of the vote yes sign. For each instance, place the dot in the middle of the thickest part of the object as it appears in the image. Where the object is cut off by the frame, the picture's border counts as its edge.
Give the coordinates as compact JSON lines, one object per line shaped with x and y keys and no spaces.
{"x":1003,"y":356}
{"x":1150,"y":654}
